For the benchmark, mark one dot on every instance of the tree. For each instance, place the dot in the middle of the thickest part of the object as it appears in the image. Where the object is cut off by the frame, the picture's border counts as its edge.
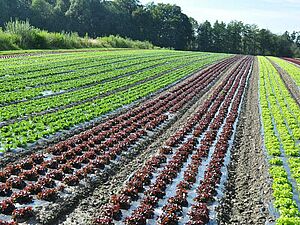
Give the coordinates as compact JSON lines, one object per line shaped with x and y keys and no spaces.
{"x":284,"y":43}
{"x":144,"y":24}
{"x":60,"y":9}
{"x":297,"y":39}
{"x":62,"y":6}
{"x":266,"y":42}
{"x":171,"y":28}
{"x":249,"y":39}
{"x":234,"y":37}
{"x":79,"y":15}
{"x":43,"y":14}
{"x":127,"y":6}
{"x":123,"y":17}
{"x":14,"y":9}
{"x":295,"y":36}
{"x":195,"y":25}
{"x":205,"y":38}
{"x":219,"y":37}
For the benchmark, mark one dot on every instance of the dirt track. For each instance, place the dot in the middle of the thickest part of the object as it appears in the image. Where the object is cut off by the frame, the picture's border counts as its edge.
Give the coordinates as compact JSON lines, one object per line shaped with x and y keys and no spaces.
{"x":249,"y":195}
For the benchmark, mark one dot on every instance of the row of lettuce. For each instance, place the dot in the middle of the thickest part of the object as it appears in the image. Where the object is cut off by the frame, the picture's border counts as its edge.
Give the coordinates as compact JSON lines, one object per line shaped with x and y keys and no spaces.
{"x":291,"y":68}
{"x":98,"y":84}
{"x":281,"y":125}
{"x":68,"y":72}
{"x":90,"y":86}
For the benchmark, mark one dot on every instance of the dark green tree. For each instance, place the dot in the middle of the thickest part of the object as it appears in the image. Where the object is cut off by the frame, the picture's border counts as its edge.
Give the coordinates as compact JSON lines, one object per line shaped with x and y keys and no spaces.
{"x":205,"y":37}
{"x":284,"y":45}
{"x":195,"y":25}
{"x":250,"y":43}
{"x":234,"y":36}
{"x":12,"y":9}
{"x":219,"y":36}
{"x":171,"y":28}
{"x":43,"y":14}
{"x":125,"y":24}
{"x":266,"y":42}
{"x":144,"y":24}
{"x":79,"y":16}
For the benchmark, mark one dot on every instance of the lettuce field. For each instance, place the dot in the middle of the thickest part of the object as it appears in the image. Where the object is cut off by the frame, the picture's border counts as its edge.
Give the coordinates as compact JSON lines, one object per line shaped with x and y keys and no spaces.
{"x":139,"y":137}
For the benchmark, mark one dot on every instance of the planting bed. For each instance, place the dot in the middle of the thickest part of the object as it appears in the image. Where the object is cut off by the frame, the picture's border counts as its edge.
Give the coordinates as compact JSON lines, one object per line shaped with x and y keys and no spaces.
{"x":148,"y":137}
{"x":248,"y":196}
{"x":290,"y":75}
{"x":296,"y":61}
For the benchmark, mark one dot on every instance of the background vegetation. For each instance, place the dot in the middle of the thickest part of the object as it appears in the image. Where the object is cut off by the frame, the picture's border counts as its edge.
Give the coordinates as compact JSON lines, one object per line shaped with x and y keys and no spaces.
{"x":163,"y":25}
{"x":21,"y":35}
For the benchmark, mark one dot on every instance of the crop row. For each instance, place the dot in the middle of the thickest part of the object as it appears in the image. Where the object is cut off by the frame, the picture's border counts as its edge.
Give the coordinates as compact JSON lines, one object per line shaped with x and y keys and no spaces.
{"x":36,"y":63}
{"x":25,"y":67}
{"x":296,"y":61}
{"x":54,"y":68}
{"x":44,"y":176}
{"x":87,"y":68}
{"x":122,"y":78}
{"x":291,"y":69}
{"x":20,"y":133}
{"x":281,"y":117}
{"x":160,"y":192}
{"x":31,"y":68}
{"x":86,"y":78}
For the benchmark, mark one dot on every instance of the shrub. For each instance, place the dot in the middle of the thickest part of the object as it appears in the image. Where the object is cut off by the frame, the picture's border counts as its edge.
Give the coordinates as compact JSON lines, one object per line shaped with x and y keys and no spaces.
{"x":27,"y":35}
{"x":21,"y":35}
{"x":119,"y":42}
{"x":8,"y":41}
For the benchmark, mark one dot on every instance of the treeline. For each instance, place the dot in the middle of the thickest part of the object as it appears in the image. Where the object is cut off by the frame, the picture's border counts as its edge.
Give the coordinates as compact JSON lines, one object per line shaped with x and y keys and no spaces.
{"x":163,"y":25}
{"x":236,"y":37}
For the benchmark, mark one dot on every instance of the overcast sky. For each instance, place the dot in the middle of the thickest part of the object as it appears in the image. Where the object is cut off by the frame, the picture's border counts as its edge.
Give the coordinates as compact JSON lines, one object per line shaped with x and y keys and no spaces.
{"x":276,"y":15}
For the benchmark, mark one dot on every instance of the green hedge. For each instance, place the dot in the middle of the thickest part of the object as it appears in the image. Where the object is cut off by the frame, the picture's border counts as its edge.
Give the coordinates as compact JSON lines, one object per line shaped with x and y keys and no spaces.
{"x":21,"y":35}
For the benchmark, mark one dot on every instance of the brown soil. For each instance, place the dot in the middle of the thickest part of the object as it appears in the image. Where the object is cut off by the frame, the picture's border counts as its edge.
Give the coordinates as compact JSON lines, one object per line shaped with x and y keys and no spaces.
{"x":248,"y":195}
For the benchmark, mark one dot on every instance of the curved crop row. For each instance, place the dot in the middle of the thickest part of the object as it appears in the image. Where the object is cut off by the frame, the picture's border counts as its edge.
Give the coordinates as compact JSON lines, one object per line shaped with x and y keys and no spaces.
{"x":281,"y":117}
{"x":105,"y":83}
{"x":30,"y":67}
{"x":87,"y":68}
{"x":88,"y":77}
{"x":296,"y":61}
{"x":291,"y":69}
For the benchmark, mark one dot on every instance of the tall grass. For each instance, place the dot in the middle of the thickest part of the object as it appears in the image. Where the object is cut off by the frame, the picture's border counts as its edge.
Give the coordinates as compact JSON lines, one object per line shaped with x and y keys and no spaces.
{"x":21,"y":35}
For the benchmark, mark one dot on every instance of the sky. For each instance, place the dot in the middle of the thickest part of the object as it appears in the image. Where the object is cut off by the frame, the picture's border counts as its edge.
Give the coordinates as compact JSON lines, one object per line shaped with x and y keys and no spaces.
{"x":276,"y":15}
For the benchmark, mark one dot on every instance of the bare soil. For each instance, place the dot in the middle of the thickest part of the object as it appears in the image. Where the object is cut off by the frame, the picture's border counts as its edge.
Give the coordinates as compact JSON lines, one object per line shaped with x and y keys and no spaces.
{"x":248,"y":196}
